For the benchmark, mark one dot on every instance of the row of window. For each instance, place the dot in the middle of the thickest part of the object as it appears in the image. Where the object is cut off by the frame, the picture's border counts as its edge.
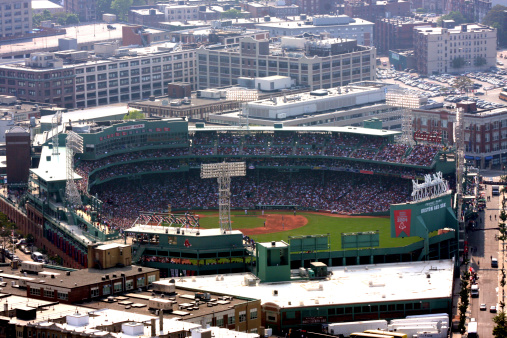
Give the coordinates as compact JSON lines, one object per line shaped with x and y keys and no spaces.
{"x":135,"y":63}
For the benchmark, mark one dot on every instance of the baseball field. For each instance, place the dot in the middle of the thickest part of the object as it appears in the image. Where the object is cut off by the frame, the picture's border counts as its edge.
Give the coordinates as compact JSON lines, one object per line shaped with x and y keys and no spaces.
{"x":279,"y":225}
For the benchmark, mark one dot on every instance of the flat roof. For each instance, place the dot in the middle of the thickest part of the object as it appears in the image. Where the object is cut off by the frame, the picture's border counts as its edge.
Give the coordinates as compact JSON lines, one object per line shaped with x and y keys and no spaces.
{"x":55,"y":168}
{"x":364,"y":284}
{"x":158,"y":229}
{"x":350,"y":130}
{"x":85,"y":277}
{"x":45,"y":4}
{"x":90,"y":114}
{"x":300,"y":24}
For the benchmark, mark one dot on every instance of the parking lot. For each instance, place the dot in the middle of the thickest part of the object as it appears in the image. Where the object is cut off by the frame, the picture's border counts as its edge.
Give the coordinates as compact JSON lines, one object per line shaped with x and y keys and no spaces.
{"x":439,"y":88}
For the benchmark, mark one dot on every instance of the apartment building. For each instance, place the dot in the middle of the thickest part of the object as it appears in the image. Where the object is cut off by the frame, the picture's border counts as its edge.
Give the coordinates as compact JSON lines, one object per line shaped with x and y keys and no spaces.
{"x":85,"y":9}
{"x":468,"y":47}
{"x":15,"y":17}
{"x":473,"y":9}
{"x":317,"y":64}
{"x":75,"y":80}
{"x":179,"y":12}
{"x":336,"y":26}
{"x":395,"y":34}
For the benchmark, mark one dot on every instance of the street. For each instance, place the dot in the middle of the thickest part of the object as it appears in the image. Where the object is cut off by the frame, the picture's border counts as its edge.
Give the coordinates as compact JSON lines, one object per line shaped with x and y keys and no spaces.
{"x":483,"y":246}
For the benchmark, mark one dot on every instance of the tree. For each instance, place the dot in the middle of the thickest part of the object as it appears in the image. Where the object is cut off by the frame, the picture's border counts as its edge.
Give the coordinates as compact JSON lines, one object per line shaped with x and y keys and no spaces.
{"x":38,"y":18}
{"x":456,"y":16}
{"x":462,"y":83}
{"x":72,"y":19}
{"x":134,"y":114}
{"x":121,"y":8}
{"x":232,"y":14}
{"x":497,"y":18}
{"x":103,"y":6}
{"x":479,"y":61}
{"x":500,"y":330}
{"x":458,"y":62}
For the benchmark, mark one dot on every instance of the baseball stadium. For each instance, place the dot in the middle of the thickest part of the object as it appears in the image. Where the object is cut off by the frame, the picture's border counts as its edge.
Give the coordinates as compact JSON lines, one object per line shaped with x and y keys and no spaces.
{"x":332,"y":194}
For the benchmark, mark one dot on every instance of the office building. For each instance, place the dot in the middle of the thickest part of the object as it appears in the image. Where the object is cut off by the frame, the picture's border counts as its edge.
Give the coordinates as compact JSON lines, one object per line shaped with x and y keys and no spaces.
{"x":316,"y":64}
{"x":75,"y":80}
{"x":465,"y":48}
{"x":337,"y":26}
{"x":395,"y":34}
{"x":15,"y":17}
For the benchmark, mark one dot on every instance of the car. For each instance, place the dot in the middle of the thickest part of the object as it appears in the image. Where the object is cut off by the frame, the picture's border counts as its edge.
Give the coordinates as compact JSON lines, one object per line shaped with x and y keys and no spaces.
{"x":483,"y":307}
{"x":492,"y":309}
{"x":494,"y":263}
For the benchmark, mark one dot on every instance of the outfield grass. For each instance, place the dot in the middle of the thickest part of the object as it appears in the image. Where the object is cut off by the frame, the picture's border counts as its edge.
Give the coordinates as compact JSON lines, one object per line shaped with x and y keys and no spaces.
{"x":317,"y":225}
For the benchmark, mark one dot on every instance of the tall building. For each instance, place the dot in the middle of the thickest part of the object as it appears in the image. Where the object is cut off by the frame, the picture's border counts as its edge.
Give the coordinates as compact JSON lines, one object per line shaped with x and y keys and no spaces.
{"x":336,"y":26}
{"x":471,"y":9}
{"x":468,"y":47}
{"x":72,"y":80}
{"x":85,"y":9}
{"x":15,"y":17}
{"x":18,"y":155}
{"x":394,"y":34}
{"x":317,"y":64}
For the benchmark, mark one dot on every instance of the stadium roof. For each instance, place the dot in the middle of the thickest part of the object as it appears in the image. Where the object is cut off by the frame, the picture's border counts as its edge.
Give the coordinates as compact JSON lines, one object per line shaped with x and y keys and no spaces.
{"x":98,"y":113}
{"x":363,"y":284}
{"x":351,"y":130}
{"x":156,"y":229}
{"x":53,"y":168}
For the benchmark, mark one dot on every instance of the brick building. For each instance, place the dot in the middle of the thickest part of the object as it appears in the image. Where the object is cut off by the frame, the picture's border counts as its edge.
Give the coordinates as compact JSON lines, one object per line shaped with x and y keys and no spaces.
{"x":257,"y":10}
{"x":18,"y":155}
{"x":85,"y":9}
{"x":393,"y":34}
{"x":316,"y":7}
{"x":146,"y":17}
{"x":283,"y":11}
{"x":373,"y":10}
{"x":473,"y":9}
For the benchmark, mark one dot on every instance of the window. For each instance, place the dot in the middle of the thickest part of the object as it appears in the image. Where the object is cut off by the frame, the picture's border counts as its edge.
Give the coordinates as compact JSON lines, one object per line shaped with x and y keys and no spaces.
{"x":220,"y":322}
{"x":106,"y":289}
{"x":242,"y":316}
{"x":140,"y":282}
{"x":94,"y":292}
{"x":231,"y":320}
{"x":152,"y":278}
{"x":62,"y":295}
{"x":117,"y":287}
{"x":35,"y":292}
{"x":49,"y":293}
{"x":129,"y":284}
{"x":253,"y":313}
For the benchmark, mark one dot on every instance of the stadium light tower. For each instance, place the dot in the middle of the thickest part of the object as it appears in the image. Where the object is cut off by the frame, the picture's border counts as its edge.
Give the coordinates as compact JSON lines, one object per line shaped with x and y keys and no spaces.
{"x":405,"y":100}
{"x":459,"y":140}
{"x":223,"y":172}
{"x":74,"y":144}
{"x":56,"y":119}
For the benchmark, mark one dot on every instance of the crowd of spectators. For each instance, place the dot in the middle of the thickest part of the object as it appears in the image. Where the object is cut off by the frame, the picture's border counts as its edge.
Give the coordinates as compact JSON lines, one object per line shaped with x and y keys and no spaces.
{"x":422,"y":154}
{"x":342,"y":192}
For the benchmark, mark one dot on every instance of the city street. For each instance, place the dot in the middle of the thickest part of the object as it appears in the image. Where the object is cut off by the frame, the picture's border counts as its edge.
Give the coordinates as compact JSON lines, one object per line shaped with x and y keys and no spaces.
{"x":483,"y":245}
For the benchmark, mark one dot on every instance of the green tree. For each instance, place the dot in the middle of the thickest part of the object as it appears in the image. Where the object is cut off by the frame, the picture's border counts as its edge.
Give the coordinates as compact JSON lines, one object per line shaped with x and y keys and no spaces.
{"x":479,"y":61}
{"x":72,"y":19}
{"x":497,"y":18}
{"x":38,"y":18}
{"x":134,"y":114}
{"x":462,"y":83}
{"x":121,"y":8}
{"x":456,"y":16}
{"x":458,"y":62}
{"x":232,"y":14}
{"x":103,"y":6}
{"x":420,"y":10}
{"x":500,"y":329}
{"x":139,"y":3}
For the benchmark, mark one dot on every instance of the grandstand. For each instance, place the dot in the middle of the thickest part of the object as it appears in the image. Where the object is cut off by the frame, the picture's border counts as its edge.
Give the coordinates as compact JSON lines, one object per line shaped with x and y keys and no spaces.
{"x":131,"y":169}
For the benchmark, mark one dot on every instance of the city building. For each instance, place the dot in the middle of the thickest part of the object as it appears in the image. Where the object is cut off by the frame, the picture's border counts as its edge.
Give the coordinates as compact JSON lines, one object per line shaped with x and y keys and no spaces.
{"x":373,"y":10}
{"x":316,"y":7}
{"x":465,"y":48}
{"x":283,"y":11}
{"x":485,"y":133}
{"x":313,"y":63}
{"x":179,"y":12}
{"x":256,"y":9}
{"x":75,"y":80}
{"x":39,"y":6}
{"x":16,"y":17}
{"x":395,"y":34}
{"x":85,"y":9}
{"x":474,"y":10}
{"x":337,"y":26}
{"x":146,"y":17}
{"x":18,"y":155}
{"x":378,"y":291}
{"x":336,"y":107}
{"x":216,"y":35}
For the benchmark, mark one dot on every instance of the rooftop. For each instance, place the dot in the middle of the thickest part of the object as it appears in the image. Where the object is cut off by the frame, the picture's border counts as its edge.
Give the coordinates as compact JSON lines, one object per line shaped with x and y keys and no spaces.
{"x":52,"y":168}
{"x":364,"y":284}
{"x":85,"y":277}
{"x":300,"y":24}
{"x":471,"y":27}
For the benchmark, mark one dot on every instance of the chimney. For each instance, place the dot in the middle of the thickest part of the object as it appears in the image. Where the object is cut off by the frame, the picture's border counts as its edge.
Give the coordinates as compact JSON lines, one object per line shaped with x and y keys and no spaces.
{"x":153,"y":328}
{"x":161,"y":320}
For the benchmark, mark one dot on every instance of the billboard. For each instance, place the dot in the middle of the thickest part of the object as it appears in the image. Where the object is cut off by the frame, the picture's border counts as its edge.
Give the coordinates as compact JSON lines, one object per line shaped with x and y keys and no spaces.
{"x":420,"y":218}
